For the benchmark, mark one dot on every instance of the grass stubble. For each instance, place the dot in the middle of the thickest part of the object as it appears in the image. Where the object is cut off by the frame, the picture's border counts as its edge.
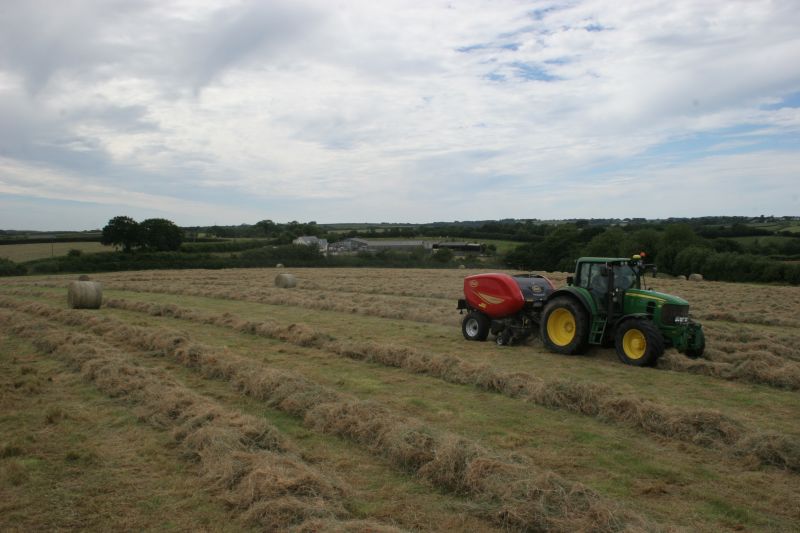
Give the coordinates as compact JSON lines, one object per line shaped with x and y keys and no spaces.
{"x":243,"y":459}
{"x":514,"y":493}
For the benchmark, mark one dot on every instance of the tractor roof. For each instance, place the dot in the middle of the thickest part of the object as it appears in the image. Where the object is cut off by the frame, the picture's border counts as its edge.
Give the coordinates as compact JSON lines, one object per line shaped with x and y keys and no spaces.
{"x":604,"y":259}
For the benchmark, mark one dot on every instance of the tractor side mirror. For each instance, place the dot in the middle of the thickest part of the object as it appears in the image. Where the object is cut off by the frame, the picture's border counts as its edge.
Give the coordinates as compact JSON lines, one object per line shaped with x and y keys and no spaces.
{"x":570,"y":280}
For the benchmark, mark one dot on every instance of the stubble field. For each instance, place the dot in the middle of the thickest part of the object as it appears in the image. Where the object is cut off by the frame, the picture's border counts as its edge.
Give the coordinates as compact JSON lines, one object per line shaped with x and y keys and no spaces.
{"x":212,"y":400}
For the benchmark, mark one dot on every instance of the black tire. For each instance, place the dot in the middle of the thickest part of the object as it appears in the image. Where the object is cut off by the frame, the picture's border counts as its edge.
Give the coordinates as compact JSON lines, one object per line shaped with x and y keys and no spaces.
{"x":638,"y":342}
{"x":475,"y":326}
{"x":694,"y":353}
{"x":565,"y":326}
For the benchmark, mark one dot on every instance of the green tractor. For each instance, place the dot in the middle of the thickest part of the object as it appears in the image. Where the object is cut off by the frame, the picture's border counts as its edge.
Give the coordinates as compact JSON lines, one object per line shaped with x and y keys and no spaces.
{"x":605,"y":303}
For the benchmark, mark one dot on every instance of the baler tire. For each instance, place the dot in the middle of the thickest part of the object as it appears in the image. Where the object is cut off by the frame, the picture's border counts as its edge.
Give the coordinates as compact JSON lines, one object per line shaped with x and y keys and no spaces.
{"x":638,"y":342}
{"x":565,"y":326}
{"x":475,"y":326}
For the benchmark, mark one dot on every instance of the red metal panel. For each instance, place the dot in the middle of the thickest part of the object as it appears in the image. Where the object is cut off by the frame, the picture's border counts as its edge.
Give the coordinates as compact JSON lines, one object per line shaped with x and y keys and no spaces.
{"x":497,"y":295}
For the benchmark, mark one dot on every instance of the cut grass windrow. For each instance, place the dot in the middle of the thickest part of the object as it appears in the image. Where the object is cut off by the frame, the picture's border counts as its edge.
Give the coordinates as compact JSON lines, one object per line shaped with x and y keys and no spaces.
{"x":243,"y":459}
{"x":392,"y":307}
{"x":762,"y":369}
{"x":769,"y":362}
{"x":515,"y":493}
{"x":704,"y":427}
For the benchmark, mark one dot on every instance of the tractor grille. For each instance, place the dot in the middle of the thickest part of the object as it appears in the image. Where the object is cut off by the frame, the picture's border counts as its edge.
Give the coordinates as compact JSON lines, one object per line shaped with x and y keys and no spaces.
{"x":669,"y":312}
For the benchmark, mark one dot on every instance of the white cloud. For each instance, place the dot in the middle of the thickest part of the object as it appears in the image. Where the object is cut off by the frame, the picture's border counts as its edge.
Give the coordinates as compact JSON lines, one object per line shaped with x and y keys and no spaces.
{"x":392,"y":110}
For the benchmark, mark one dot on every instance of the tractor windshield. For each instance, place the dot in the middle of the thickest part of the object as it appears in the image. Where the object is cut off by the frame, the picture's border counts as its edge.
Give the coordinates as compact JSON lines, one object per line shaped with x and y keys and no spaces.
{"x":624,"y":277}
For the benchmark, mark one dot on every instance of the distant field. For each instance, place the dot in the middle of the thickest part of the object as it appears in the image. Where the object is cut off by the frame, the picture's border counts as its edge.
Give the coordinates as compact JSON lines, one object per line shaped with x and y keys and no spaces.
{"x":29,"y":252}
{"x":793,"y":227}
{"x":212,"y":400}
{"x":763,"y":239}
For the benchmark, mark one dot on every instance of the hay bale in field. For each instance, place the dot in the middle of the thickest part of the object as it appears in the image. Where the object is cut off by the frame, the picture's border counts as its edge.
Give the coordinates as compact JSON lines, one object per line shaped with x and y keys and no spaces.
{"x":83,"y":277}
{"x":695,"y":277}
{"x":85,"y":295}
{"x":279,"y":265}
{"x":681,"y":278}
{"x":285,"y":281}
{"x":462,"y":267}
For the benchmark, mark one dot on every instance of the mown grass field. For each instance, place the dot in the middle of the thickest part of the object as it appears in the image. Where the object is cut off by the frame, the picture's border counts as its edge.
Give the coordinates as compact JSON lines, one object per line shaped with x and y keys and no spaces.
{"x":29,"y":252}
{"x":211,"y":400}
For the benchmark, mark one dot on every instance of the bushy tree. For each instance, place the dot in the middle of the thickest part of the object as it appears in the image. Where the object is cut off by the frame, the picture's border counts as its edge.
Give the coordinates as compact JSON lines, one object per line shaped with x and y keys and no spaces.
{"x":677,"y":237}
{"x":613,"y":242}
{"x":443,"y":255}
{"x":691,"y":259}
{"x":10,"y":268}
{"x":557,"y":251}
{"x":121,"y":231}
{"x":160,"y":234}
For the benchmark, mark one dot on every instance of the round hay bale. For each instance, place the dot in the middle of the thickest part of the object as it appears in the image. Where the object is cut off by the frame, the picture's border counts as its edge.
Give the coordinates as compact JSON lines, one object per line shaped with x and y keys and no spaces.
{"x":681,"y":278}
{"x":461,"y":267}
{"x":85,"y":295}
{"x":695,"y":277}
{"x":285,"y":281}
{"x":279,"y":265}
{"x":83,"y":277}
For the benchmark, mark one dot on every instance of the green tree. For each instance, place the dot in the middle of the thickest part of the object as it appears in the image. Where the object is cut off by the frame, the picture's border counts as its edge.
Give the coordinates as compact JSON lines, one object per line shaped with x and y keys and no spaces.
{"x":121,"y":231}
{"x":265,"y":227}
{"x":443,"y":255}
{"x":677,"y":237}
{"x":160,"y":234}
{"x":557,"y":251}
{"x":613,"y":242}
{"x":645,"y":240}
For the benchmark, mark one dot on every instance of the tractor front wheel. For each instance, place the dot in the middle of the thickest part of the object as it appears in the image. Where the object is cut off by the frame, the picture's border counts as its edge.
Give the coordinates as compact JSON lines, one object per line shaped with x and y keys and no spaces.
{"x":638,"y":342}
{"x":565,"y":326}
{"x":475,"y":326}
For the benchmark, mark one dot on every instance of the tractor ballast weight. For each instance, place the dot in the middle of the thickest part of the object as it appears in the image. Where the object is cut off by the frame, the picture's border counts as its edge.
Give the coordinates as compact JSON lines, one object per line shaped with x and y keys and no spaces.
{"x":605,"y":306}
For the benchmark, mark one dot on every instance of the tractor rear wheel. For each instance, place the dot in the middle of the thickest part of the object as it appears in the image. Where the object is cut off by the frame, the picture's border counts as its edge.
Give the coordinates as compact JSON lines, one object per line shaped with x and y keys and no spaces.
{"x":565,"y":326}
{"x":475,"y":326}
{"x":638,"y":342}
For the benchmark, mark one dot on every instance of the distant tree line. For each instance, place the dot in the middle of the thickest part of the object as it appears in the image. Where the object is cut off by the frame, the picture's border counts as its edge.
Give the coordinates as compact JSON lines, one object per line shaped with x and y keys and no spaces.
{"x":674,"y":248}
{"x":724,"y":248}
{"x":290,"y":255}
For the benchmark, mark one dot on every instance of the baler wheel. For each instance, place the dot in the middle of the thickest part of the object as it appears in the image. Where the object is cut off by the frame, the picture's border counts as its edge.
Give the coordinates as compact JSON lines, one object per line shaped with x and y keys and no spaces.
{"x":475,"y":326}
{"x":638,"y":342}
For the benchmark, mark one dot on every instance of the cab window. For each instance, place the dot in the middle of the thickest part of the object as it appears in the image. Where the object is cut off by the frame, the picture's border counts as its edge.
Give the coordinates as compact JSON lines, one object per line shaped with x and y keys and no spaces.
{"x":592,"y":279}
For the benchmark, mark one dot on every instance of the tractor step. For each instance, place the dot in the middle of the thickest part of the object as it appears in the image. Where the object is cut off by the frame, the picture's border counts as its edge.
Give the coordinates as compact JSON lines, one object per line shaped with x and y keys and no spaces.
{"x":597,"y":331}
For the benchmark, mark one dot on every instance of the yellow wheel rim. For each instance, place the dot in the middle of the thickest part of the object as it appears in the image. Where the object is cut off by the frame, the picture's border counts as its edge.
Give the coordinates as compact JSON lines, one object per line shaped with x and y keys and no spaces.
{"x":634,"y":344}
{"x":561,"y":327}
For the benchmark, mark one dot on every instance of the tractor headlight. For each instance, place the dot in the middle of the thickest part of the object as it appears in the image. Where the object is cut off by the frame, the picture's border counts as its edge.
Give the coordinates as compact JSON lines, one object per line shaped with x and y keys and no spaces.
{"x":681,"y":319}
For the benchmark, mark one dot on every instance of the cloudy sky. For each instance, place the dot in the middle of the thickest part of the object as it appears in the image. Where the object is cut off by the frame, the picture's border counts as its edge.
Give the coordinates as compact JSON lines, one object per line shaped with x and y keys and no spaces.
{"x":228,"y":112}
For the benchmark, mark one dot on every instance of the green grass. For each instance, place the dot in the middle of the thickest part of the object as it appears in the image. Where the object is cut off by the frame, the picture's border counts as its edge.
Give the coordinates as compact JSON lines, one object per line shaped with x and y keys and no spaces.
{"x":670,"y":482}
{"x":29,"y":252}
{"x":74,"y":459}
{"x":627,"y":457}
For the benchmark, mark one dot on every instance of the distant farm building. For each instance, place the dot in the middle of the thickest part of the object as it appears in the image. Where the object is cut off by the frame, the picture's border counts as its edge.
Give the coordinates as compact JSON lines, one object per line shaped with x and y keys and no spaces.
{"x":355,"y":245}
{"x":376,"y":245}
{"x":322,"y":244}
{"x":474,"y":247}
{"x":348,"y":246}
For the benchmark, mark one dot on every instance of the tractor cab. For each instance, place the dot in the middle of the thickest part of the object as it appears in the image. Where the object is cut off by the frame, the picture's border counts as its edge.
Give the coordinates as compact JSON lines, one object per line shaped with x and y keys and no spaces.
{"x":608,"y":279}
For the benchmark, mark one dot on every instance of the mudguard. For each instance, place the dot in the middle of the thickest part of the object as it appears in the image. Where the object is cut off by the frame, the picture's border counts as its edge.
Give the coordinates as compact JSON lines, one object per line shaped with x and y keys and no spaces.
{"x":579,"y":293}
